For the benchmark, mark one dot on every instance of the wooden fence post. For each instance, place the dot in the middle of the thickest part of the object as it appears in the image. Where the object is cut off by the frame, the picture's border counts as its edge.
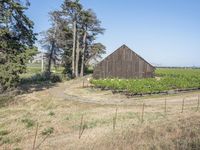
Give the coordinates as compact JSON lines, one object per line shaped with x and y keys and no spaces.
{"x":198,"y":103}
{"x":81,"y":128}
{"x":183,"y":103}
{"x":83,"y":83}
{"x":35,"y":137}
{"x":115,"y":119}
{"x":142,"y":117}
{"x":165,"y":105}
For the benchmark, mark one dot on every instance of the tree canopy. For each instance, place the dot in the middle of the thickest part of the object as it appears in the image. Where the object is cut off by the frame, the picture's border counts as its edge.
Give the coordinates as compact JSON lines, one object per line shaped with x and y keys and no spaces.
{"x":17,"y":39}
{"x":75,"y":32}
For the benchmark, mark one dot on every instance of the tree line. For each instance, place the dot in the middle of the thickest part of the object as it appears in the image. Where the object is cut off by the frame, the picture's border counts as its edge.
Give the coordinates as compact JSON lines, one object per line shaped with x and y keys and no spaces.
{"x":70,"y":39}
{"x":72,"y":36}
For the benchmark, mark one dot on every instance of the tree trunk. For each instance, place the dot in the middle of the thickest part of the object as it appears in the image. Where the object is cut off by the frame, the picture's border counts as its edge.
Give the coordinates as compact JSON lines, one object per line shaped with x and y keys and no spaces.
{"x":83,"y":55}
{"x":50,"y":60}
{"x":77,"y":57}
{"x":74,"y":49}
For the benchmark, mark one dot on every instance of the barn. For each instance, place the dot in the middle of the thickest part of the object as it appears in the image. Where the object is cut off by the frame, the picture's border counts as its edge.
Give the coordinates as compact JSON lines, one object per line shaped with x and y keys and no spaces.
{"x":123,"y":63}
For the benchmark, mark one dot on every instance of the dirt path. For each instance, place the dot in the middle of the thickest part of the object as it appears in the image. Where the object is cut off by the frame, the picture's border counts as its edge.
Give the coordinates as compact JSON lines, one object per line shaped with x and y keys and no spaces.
{"x":73,"y":91}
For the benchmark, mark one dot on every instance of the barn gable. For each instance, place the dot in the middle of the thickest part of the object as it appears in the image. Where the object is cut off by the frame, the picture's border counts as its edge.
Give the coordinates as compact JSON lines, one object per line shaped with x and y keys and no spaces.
{"x":123,"y":63}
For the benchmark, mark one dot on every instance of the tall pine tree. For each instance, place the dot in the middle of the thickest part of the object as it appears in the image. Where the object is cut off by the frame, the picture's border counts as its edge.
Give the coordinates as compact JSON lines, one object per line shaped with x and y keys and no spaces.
{"x":16,"y":38}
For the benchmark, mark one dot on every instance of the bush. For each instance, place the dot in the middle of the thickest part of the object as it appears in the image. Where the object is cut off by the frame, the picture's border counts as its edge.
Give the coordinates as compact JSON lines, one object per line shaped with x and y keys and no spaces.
{"x":41,"y":77}
{"x":55,"y":78}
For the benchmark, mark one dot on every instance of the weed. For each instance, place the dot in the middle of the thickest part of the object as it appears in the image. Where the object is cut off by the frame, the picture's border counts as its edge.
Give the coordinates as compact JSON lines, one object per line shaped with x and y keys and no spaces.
{"x":29,"y":123}
{"x":73,"y":116}
{"x":5,"y":99}
{"x":17,"y":148}
{"x":48,"y":131}
{"x":4,"y":132}
{"x":5,"y":140}
{"x":51,"y":113}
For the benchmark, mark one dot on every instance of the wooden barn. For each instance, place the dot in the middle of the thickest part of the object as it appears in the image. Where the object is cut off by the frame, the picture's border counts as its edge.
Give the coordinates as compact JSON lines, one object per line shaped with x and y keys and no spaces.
{"x":123,"y":63}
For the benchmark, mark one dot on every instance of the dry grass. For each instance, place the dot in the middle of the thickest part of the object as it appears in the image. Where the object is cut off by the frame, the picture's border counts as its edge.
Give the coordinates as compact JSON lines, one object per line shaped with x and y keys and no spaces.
{"x":181,"y":132}
{"x":59,"y":117}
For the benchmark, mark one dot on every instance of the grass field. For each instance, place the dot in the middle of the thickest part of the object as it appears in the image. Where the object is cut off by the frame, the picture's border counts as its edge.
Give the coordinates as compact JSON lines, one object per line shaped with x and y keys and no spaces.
{"x":35,"y":68}
{"x":166,"y":79}
{"x":69,"y":116}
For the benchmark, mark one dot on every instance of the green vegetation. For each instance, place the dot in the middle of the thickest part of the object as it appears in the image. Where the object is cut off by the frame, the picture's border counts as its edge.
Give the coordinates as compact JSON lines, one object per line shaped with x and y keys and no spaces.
{"x":16,"y":42}
{"x":4,"y":132}
{"x":70,"y":42}
{"x":168,"y":79}
{"x":28,"y":122}
{"x":41,"y":77}
{"x":51,"y":113}
{"x":5,"y":99}
{"x":48,"y":131}
{"x":177,"y":72}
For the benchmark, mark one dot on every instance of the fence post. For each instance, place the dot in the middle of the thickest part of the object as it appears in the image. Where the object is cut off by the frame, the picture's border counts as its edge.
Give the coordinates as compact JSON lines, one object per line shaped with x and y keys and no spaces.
{"x":83,"y":83}
{"x":81,"y":128}
{"x":115,"y":119}
{"x":198,"y":102}
{"x":165,"y":105}
{"x":35,"y":137}
{"x":142,"y":117}
{"x":183,"y":103}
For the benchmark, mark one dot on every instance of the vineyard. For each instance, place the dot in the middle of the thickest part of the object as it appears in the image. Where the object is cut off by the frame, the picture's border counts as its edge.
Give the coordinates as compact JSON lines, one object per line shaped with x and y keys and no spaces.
{"x":166,"y":80}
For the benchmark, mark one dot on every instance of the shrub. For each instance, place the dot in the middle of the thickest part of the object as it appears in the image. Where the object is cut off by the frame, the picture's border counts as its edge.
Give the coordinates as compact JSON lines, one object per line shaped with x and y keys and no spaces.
{"x":48,"y":131}
{"x":55,"y":78}
{"x":41,"y":77}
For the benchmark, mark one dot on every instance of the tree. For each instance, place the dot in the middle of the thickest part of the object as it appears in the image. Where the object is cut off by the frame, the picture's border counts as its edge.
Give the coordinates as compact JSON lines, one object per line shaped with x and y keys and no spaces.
{"x":91,"y":27}
{"x":95,"y":52}
{"x":63,"y":38}
{"x":16,"y":37}
{"x":76,"y":33}
{"x":49,"y":42}
{"x":72,"y":10}
{"x":30,"y":52}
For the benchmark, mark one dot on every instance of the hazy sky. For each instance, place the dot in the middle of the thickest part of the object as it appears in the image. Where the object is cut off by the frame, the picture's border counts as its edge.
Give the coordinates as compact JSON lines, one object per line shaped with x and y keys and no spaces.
{"x":165,"y":33}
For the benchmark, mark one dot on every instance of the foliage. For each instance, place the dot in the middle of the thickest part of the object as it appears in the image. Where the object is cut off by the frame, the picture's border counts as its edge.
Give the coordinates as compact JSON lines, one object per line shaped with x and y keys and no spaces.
{"x":49,"y":42}
{"x":41,"y":77}
{"x":169,"y":80}
{"x":16,"y":42}
{"x":72,"y":37}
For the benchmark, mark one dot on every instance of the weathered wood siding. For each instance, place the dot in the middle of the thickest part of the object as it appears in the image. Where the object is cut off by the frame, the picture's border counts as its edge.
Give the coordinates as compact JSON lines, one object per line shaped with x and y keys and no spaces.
{"x":123,"y":63}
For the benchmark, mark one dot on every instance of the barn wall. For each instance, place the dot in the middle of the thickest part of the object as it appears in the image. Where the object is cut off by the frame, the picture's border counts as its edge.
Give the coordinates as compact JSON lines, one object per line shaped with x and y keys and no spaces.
{"x":123,"y":63}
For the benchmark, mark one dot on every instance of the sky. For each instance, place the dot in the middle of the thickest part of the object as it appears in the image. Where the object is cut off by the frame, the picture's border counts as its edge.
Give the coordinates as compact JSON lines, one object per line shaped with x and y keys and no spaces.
{"x":165,"y":33}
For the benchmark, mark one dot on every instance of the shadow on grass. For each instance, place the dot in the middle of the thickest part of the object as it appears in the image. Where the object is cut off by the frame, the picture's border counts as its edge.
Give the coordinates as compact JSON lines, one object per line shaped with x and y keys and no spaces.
{"x":5,"y":99}
{"x":37,"y":82}
{"x":33,"y":87}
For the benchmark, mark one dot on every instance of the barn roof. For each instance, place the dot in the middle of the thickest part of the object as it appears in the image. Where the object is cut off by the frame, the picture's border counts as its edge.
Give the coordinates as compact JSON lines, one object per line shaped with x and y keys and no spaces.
{"x":127,"y":48}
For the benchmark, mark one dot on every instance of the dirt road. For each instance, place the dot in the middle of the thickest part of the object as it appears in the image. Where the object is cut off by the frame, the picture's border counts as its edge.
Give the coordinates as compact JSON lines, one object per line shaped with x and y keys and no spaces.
{"x":74,"y":91}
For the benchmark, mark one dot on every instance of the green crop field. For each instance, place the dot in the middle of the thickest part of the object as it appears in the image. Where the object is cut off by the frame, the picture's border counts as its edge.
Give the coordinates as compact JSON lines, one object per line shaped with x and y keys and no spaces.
{"x":166,"y":79}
